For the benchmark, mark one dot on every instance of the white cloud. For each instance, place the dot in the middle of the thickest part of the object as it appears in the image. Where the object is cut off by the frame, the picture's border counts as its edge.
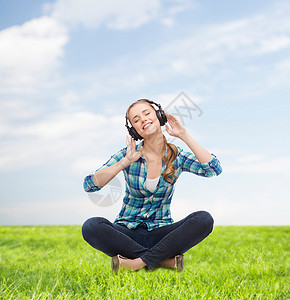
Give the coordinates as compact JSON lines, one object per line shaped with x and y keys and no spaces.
{"x":219,"y":50}
{"x":30,"y":53}
{"x":16,"y":110}
{"x":254,"y":36}
{"x":62,"y":209}
{"x":229,"y":151}
{"x":178,"y":65}
{"x":274,"y":44}
{"x":281,"y":74}
{"x":42,"y":41}
{"x":181,"y":5}
{"x":112,"y":13}
{"x":69,"y":100}
{"x":169,"y":22}
{"x":250,"y":158}
{"x":61,"y":137}
{"x":284,"y":65}
{"x":116,"y":15}
{"x":259,"y":164}
{"x":74,"y":211}
{"x":264,"y":208}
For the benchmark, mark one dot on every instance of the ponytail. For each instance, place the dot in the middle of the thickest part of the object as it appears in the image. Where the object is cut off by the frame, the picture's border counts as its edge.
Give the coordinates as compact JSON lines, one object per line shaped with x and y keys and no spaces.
{"x":172,"y":152}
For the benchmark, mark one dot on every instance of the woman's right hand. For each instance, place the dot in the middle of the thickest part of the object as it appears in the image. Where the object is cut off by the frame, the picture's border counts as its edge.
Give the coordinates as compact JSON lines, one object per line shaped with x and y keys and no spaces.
{"x":132,"y":155}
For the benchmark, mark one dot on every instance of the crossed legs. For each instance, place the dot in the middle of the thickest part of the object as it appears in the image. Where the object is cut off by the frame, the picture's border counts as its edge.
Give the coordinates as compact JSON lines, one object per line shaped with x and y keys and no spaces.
{"x":158,"y":247}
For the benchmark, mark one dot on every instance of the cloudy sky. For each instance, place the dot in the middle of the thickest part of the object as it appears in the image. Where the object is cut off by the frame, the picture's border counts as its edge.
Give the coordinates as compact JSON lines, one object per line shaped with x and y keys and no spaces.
{"x":69,"y":69}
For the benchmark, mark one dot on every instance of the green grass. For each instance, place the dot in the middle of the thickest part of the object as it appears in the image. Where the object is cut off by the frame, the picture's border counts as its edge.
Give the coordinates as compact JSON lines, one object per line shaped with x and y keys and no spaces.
{"x":234,"y":262}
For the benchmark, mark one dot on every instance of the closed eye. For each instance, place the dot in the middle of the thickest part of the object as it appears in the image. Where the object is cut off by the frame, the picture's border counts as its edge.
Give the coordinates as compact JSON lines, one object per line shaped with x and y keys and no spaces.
{"x":138,"y":119}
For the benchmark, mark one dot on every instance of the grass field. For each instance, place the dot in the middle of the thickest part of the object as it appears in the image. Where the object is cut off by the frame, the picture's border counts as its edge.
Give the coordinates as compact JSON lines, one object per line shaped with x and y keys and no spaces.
{"x":234,"y":262}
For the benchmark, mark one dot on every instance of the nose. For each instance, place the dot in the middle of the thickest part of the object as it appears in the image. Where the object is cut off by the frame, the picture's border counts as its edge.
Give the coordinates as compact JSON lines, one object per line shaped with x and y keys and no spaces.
{"x":144,"y":120}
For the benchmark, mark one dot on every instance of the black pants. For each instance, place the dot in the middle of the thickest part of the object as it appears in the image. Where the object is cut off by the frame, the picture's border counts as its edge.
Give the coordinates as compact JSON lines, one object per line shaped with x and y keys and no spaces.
{"x":151,"y":246}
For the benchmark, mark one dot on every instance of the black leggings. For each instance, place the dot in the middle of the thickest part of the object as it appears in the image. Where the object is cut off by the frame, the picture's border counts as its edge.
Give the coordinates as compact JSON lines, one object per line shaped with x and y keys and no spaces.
{"x":151,"y":246}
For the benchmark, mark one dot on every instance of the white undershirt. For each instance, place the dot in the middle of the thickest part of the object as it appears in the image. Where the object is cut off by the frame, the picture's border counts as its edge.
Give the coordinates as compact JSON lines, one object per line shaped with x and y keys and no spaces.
{"x":151,"y":183}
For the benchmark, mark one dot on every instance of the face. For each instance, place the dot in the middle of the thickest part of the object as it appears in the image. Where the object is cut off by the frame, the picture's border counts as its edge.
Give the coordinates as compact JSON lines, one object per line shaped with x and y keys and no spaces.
{"x":143,"y":118}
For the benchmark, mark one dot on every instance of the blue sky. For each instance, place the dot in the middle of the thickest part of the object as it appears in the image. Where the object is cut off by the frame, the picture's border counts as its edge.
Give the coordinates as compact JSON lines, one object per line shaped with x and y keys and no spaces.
{"x":68,"y":72}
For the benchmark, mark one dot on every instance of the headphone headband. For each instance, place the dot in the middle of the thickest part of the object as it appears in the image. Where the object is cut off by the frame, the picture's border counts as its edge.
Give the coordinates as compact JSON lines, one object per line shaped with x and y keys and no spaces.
{"x":150,"y":101}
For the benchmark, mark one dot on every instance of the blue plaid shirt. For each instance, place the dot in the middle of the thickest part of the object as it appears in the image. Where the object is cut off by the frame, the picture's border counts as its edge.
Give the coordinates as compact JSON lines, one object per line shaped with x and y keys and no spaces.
{"x":139,"y":204}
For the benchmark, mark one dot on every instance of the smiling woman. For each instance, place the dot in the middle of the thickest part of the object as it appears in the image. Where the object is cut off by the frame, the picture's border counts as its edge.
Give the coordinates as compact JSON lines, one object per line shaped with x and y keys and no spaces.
{"x":144,"y":126}
{"x":144,"y":234}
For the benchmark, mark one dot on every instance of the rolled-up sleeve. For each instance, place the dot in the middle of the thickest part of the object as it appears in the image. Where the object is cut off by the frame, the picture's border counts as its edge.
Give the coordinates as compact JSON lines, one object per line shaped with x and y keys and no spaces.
{"x":89,"y":185}
{"x":190,"y":163}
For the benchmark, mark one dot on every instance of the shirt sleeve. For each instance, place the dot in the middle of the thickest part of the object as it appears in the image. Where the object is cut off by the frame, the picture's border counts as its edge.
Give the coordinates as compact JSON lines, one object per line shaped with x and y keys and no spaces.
{"x":190,"y":163}
{"x":89,"y":184}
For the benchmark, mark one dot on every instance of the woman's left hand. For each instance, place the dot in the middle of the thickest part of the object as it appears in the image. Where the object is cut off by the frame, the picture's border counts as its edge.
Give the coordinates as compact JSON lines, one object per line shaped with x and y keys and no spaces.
{"x":178,"y":130}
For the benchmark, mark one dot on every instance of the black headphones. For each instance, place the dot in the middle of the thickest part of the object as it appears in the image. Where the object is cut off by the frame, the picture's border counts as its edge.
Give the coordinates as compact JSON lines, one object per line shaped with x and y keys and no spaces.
{"x":160,"y":115}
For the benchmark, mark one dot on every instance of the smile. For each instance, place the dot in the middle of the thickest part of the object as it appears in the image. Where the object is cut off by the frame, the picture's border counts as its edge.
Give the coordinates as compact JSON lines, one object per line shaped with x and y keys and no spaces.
{"x":147,"y":125}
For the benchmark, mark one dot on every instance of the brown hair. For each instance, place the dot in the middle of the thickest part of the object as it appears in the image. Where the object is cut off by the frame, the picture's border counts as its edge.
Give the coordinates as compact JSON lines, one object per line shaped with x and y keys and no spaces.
{"x":172,"y":150}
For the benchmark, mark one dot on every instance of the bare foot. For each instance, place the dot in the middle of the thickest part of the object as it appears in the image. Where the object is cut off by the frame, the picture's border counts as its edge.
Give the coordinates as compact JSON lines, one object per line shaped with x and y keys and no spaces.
{"x":133,"y":264}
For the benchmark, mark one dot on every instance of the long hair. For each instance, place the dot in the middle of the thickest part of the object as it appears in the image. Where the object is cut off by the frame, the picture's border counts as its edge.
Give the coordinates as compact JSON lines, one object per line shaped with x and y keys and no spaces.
{"x":172,"y":150}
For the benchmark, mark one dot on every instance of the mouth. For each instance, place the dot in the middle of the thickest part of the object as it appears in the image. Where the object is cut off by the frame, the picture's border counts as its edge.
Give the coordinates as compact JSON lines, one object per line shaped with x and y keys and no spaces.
{"x":147,"y":125}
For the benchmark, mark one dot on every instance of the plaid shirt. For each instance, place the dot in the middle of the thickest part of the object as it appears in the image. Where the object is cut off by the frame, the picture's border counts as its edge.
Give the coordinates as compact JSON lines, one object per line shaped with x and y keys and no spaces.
{"x":139,"y":204}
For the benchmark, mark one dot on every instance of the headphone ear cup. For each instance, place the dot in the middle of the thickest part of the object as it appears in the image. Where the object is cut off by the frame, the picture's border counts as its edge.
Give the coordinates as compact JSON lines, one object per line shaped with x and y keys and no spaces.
{"x":135,"y":135}
{"x":161,"y":116}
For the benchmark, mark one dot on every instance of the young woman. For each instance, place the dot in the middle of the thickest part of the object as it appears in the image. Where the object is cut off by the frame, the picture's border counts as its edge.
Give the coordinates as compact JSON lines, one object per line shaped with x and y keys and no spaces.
{"x":144,"y":234}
